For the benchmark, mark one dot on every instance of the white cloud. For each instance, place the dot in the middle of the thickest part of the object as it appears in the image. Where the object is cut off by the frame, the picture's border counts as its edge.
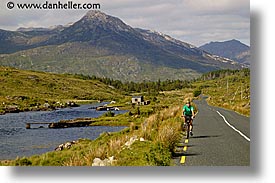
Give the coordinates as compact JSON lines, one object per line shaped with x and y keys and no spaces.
{"x":193,"y":21}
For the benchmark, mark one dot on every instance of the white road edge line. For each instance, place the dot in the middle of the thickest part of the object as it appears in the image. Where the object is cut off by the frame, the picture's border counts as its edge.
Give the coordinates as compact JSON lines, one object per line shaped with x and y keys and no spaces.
{"x":246,"y":138}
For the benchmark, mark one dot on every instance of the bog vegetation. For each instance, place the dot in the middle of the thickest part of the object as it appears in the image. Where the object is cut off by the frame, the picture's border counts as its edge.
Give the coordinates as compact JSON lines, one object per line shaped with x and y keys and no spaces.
{"x":229,"y":89}
{"x":151,"y":131}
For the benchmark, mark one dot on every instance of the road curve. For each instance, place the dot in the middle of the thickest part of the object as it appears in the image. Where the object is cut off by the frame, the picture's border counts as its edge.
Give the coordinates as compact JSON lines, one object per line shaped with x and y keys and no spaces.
{"x":221,"y":138}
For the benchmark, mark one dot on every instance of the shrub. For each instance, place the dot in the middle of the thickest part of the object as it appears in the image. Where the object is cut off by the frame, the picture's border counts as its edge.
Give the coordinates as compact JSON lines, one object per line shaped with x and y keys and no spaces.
{"x":109,"y":114}
{"x":23,"y":162}
{"x":158,"y":155}
{"x":197,"y":92}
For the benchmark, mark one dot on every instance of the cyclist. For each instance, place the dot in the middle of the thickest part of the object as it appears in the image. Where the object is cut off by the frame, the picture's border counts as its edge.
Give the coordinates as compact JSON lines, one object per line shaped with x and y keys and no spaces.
{"x":188,"y":113}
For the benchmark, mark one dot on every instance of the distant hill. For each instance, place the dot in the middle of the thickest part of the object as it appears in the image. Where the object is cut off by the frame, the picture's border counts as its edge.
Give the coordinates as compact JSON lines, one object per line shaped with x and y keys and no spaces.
{"x":227,"y":89}
{"x":104,"y":46}
{"x":30,"y":90}
{"x":232,"y":49}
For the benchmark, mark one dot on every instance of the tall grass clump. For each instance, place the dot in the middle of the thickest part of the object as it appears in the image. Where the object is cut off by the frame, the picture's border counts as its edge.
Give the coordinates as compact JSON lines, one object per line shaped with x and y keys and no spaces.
{"x":169,"y":133}
{"x":163,"y":127}
{"x":161,"y":132}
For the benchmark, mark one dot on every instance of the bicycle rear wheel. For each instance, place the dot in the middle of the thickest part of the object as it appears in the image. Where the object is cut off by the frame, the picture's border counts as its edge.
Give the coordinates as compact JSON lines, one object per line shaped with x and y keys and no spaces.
{"x":188,"y":129}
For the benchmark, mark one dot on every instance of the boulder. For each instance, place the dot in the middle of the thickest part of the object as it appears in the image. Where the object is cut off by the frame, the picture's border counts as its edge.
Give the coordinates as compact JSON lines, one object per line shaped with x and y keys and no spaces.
{"x":141,"y":139}
{"x":131,"y":141}
{"x":106,"y":162}
{"x":46,"y":105}
{"x":66,"y":145}
{"x":12,"y":109}
{"x":96,"y":162}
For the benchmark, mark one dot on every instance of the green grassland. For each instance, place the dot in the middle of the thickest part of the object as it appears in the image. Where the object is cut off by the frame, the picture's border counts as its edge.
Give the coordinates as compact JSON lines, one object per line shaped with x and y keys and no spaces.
{"x":29,"y":90}
{"x":227,"y":89}
{"x":158,"y":124}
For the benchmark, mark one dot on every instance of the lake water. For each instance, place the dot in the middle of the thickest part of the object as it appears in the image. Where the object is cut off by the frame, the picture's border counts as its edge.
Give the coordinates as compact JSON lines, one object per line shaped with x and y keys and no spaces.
{"x":17,"y":141}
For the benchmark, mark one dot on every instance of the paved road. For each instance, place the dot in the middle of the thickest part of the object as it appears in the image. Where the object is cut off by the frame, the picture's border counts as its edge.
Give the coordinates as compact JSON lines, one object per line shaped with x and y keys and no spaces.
{"x":220,"y":139}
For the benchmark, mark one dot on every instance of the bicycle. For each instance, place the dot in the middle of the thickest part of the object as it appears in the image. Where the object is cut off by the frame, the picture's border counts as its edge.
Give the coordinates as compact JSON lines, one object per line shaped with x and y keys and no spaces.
{"x":186,"y":126}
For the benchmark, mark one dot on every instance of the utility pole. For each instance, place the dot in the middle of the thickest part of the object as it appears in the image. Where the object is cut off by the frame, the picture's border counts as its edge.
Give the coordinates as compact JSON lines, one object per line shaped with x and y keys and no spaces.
{"x":241,"y":91}
{"x":227,"y":86}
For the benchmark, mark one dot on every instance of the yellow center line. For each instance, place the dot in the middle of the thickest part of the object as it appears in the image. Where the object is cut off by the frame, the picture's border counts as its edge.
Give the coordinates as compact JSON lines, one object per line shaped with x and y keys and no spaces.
{"x":185,"y":148}
{"x":182,"y":160}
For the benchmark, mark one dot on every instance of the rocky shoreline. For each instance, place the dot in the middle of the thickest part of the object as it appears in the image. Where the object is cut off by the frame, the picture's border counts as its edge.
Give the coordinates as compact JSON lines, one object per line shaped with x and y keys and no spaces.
{"x":45,"y":107}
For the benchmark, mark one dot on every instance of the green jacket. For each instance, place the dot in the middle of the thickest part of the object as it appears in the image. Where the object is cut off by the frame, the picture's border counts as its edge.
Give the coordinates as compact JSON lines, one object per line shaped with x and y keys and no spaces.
{"x":188,"y":110}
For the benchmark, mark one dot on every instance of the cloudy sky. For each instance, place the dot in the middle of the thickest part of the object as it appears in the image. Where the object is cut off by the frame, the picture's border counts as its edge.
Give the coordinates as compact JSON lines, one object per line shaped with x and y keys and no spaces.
{"x":193,"y":21}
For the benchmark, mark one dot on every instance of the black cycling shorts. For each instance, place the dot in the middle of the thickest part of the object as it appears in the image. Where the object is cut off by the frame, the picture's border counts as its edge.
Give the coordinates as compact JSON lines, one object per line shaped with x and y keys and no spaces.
{"x":188,"y":118}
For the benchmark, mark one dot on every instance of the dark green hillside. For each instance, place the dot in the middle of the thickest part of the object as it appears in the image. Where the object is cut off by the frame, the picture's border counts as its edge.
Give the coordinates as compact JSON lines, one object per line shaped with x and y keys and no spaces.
{"x":83,"y":58}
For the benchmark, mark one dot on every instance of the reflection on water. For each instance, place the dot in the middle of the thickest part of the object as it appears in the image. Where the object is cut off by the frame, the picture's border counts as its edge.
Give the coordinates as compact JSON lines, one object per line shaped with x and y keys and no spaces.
{"x":16,"y":140}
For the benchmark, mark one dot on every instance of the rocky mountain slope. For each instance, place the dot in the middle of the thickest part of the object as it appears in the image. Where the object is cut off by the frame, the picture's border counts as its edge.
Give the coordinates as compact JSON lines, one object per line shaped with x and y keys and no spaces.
{"x":103,"y":45}
{"x":232,"y":49}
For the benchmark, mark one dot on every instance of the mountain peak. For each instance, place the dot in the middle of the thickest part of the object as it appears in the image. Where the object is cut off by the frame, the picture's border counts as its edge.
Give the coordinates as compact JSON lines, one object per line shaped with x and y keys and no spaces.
{"x":232,"y":49}
{"x":234,"y":41}
{"x":96,"y":18}
{"x":104,"y":45}
{"x":95,"y":14}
